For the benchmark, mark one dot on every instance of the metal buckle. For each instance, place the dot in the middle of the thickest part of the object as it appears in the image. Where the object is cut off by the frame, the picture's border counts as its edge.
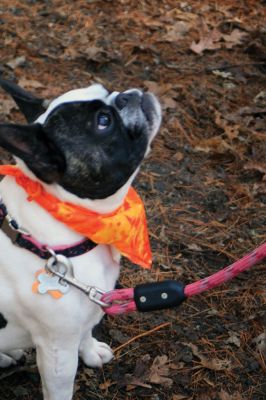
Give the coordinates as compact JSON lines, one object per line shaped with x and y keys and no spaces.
{"x":94,"y":291}
{"x":14,"y":225}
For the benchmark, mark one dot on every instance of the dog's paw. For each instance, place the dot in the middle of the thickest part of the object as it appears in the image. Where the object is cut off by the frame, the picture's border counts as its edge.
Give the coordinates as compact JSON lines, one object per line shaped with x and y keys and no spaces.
{"x":96,"y":353}
{"x":6,"y":361}
{"x":16,"y":354}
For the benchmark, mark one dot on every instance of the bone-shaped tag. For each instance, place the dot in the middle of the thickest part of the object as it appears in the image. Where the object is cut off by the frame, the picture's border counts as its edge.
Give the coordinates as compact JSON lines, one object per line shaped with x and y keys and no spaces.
{"x":49,"y":282}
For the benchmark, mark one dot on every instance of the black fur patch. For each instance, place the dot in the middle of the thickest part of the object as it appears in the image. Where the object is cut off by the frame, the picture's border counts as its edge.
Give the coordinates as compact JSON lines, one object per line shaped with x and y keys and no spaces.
{"x":89,"y":148}
{"x":3,"y":321}
{"x":98,"y":162}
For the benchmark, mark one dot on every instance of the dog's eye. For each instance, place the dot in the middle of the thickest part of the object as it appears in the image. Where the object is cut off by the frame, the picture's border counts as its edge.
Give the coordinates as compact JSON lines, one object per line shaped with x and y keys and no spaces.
{"x":103,"y":121}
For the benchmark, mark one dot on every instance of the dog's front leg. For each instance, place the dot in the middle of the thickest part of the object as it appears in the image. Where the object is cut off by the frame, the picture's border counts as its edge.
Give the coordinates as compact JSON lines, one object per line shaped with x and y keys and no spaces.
{"x":57,"y":366}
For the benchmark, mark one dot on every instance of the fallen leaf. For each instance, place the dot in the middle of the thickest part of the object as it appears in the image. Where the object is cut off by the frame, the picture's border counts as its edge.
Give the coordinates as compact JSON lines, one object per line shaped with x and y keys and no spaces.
{"x":260,"y":342}
{"x":251,"y":111}
{"x":104,"y":386}
{"x":30,"y":83}
{"x":16,"y":62}
{"x":236,"y":37}
{"x":261,"y":167}
{"x":94,"y":53}
{"x":176,"y":31}
{"x":179,"y":397}
{"x":158,"y":89}
{"x":168,"y":102}
{"x":223,"y":395}
{"x":132,"y":382}
{"x":215,"y":144}
{"x":6,"y":106}
{"x":233,"y":339}
{"x":223,"y":74}
{"x":208,"y":42}
{"x":139,"y":376}
{"x":159,"y":371}
{"x":260,"y":99}
{"x":214,"y":364}
{"x":230,"y":129}
{"x":259,"y":188}
{"x":178,"y":156}
{"x":210,"y":383}
{"x":214,"y":39}
{"x":194,"y":247}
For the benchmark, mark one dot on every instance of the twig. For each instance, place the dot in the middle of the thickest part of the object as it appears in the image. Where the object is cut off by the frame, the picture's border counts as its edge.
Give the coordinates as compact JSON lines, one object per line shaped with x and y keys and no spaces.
{"x":142,"y":335}
{"x":231,"y":66}
{"x":211,"y":68}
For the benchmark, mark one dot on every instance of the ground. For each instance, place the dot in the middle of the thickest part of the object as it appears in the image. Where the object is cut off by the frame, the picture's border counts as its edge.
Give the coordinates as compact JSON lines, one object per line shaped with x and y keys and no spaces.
{"x":204,"y":185}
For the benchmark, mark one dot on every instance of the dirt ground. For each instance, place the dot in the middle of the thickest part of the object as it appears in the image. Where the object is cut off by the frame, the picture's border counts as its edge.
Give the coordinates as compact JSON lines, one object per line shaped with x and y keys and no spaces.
{"x":204,"y":185}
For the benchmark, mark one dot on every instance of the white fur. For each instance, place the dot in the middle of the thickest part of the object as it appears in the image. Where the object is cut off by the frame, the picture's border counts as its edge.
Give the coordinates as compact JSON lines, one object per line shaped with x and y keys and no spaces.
{"x":93,"y":92}
{"x":60,"y":330}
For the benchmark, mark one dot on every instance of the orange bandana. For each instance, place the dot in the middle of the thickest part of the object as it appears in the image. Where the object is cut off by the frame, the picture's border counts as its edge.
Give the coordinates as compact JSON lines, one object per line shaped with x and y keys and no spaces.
{"x":125,"y":228}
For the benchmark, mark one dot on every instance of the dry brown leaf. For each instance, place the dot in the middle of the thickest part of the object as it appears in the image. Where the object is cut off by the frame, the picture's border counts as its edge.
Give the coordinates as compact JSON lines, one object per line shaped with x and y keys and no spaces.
{"x":16,"y":62}
{"x":231,"y":130}
{"x":6,"y":106}
{"x":209,"y":41}
{"x":214,"y":364}
{"x":178,"y":156}
{"x":214,"y":39}
{"x":139,"y":376}
{"x":223,"y":395}
{"x":168,"y":102}
{"x":260,"y":342}
{"x":164,"y":91}
{"x":236,"y":37}
{"x":176,"y":31}
{"x":158,"y":89}
{"x":215,"y":144}
{"x":261,"y":167}
{"x":159,"y":371}
{"x":179,"y":397}
{"x":106,"y":384}
{"x":132,"y":382}
{"x":30,"y":83}
{"x":233,"y":339}
{"x":259,"y":188}
{"x":194,"y":247}
{"x":94,"y":53}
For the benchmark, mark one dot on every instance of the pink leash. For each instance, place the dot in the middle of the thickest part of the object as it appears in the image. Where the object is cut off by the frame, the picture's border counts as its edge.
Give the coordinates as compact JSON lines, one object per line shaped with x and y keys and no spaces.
{"x":167,"y":294}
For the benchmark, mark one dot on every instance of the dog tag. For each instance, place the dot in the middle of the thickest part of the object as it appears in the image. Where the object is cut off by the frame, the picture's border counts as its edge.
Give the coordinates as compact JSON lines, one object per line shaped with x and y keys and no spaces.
{"x":49,"y":282}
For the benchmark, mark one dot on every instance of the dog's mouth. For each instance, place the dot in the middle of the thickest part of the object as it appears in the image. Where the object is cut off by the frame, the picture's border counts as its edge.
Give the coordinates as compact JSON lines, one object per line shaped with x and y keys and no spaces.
{"x":147,"y":106}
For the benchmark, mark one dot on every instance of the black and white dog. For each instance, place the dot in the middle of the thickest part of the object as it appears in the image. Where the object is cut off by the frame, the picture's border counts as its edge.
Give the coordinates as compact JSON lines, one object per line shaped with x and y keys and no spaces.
{"x":86,"y":148}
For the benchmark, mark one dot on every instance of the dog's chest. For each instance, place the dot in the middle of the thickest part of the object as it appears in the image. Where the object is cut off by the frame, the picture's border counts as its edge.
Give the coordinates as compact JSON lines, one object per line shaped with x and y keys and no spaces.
{"x":22,"y":311}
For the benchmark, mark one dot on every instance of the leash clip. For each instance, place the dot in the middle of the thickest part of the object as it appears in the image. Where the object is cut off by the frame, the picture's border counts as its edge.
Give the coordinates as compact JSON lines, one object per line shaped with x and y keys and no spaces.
{"x":62,"y":267}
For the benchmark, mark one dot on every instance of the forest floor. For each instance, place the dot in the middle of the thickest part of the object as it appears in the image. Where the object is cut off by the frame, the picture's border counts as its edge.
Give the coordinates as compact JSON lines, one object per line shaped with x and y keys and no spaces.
{"x":204,"y":184}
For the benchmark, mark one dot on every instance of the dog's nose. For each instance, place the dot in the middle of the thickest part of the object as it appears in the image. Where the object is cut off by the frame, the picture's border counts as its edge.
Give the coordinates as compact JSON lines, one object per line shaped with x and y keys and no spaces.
{"x":127,"y":99}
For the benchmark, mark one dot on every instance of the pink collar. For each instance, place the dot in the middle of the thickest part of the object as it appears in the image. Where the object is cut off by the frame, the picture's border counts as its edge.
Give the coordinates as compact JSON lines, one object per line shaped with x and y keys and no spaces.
{"x":40,"y":249}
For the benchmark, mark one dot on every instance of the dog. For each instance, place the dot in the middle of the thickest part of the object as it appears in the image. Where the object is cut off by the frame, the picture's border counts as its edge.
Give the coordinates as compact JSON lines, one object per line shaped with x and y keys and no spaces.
{"x":85,"y":147}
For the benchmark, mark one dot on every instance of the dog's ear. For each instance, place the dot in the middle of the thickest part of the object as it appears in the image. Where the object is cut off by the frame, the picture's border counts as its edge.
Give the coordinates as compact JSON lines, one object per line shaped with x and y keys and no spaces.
{"x":32,"y":107}
{"x":30,"y":144}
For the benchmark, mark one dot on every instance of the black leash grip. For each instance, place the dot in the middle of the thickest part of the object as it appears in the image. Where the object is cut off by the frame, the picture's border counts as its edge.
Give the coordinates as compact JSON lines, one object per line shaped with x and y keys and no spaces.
{"x":159,"y":295}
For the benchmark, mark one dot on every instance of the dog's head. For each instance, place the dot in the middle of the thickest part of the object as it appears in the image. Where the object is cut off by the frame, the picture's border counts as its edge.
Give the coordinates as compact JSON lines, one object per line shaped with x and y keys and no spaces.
{"x":89,"y":141}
